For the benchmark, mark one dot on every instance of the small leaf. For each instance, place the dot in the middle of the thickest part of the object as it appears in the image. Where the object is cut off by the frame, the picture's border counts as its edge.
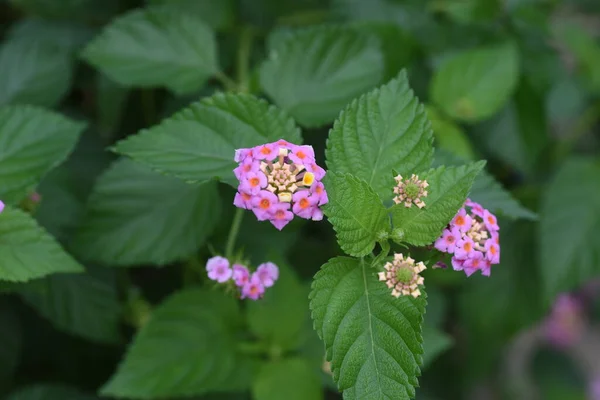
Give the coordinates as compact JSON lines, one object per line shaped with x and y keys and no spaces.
{"x":33,"y":72}
{"x":199,"y":143}
{"x":373,"y":339}
{"x":488,"y":192}
{"x":448,"y":190}
{"x":27,"y":251}
{"x":449,"y":136}
{"x":290,"y":379}
{"x":475,"y":84}
{"x":435,"y":342}
{"x":186,"y":349}
{"x":49,"y":392}
{"x":317,"y":71}
{"x":83,"y":305}
{"x":32,"y":142}
{"x":279,"y":317}
{"x":356,"y":213}
{"x":384,"y":130}
{"x":570,"y":221}
{"x":136,"y":216}
{"x":156,"y":47}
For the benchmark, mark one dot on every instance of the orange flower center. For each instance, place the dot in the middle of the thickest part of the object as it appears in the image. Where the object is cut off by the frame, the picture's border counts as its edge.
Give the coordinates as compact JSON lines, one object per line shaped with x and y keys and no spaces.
{"x":493,"y":250}
{"x":246,"y":196}
{"x":279,"y":214}
{"x":468,"y":246}
{"x":265,"y":150}
{"x":460,"y":220}
{"x":304,"y":203}
{"x":300,"y":154}
{"x":319,"y":190}
{"x":265,"y":204}
{"x":491,"y":220}
{"x":254,"y":290}
{"x":254,"y":181}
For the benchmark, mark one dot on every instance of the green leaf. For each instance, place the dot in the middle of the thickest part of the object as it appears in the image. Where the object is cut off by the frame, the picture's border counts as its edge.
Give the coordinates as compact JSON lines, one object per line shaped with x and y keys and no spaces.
{"x":448,"y":190}
{"x":449,"y":136}
{"x":435,"y":342}
{"x":384,"y":130}
{"x":215,"y":14}
{"x":475,"y":84}
{"x":49,"y":392}
{"x":586,"y":50}
{"x":110,"y":105}
{"x":570,"y":221}
{"x":33,"y":72}
{"x":356,"y":213}
{"x":373,"y":339}
{"x":290,"y":379}
{"x":92,"y":10}
{"x":27,"y":251}
{"x":199,"y":143}
{"x":69,"y":36}
{"x":32,"y":142}
{"x":136,"y":216}
{"x":317,"y":71}
{"x":186,"y":348}
{"x":83,"y":305}
{"x":156,"y":47}
{"x":488,"y":192}
{"x":279,"y":317}
{"x":11,"y":339}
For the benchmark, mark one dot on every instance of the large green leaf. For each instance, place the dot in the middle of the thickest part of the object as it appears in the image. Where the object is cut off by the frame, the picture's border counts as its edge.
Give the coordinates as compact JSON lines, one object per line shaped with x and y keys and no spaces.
{"x":199,"y":142}
{"x":290,"y":379}
{"x":187,"y":348}
{"x":279,"y":317}
{"x":314,"y":73}
{"x":49,"y":392}
{"x":373,"y":339}
{"x":83,"y":305}
{"x":69,"y":36}
{"x":475,"y":84}
{"x":384,"y":130}
{"x":156,"y":47}
{"x":136,"y":216}
{"x":487,"y":191}
{"x":33,"y":72}
{"x":32,"y":142}
{"x":27,"y":251}
{"x":448,"y":190}
{"x":570,"y":221}
{"x":356,"y":213}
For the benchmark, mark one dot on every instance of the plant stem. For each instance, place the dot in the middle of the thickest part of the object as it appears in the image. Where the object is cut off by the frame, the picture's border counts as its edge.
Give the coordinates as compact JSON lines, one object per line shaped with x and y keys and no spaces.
{"x":233,"y":232}
{"x":226,"y":81}
{"x":243,"y":58}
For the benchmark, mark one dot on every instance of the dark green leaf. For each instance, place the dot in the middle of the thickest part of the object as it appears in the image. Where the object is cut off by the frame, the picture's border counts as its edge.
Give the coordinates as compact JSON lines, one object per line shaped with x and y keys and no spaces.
{"x":290,"y":379}
{"x":49,"y":392}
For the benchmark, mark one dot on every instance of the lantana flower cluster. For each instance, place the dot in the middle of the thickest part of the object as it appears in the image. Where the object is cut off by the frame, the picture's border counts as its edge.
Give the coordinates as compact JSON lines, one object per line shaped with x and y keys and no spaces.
{"x":409,"y":191}
{"x":278,"y":180}
{"x":566,"y":322}
{"x":1,"y":206}
{"x":472,"y":238}
{"x":402,"y":276}
{"x":251,"y":285}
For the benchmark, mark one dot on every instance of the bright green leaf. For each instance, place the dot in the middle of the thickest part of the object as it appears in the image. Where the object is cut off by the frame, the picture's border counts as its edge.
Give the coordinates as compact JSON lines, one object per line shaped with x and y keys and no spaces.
{"x":216,"y":14}
{"x":279,"y":317}
{"x":356,"y":213}
{"x":384,"y":130}
{"x":317,"y":71}
{"x":449,"y":136}
{"x":488,"y":192}
{"x":33,"y":72}
{"x":32,"y":142}
{"x":187,"y":348}
{"x":475,"y":84}
{"x":290,"y":379}
{"x":136,"y":216}
{"x":83,"y":305}
{"x":199,"y":142}
{"x":448,"y":190}
{"x":49,"y":392}
{"x":158,"y":47}
{"x":27,"y":251}
{"x":373,"y":339}
{"x":570,"y":221}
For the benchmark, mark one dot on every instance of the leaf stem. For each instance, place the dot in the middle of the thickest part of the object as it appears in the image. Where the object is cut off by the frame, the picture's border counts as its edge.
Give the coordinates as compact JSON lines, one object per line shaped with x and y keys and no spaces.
{"x":243,"y":58}
{"x":228,"y":83}
{"x":233,"y":232}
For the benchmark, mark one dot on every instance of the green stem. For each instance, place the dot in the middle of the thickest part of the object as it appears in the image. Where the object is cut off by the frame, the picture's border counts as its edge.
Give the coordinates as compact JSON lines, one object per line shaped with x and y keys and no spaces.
{"x":233,"y":232}
{"x":243,"y":58}
{"x":228,"y":83}
{"x":252,"y":348}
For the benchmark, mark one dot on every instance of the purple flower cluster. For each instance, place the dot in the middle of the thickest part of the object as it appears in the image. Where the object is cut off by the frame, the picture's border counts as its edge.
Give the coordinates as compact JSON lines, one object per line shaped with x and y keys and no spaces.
{"x":251,"y":285}
{"x":472,"y":238}
{"x":566,"y":322}
{"x":278,"y":180}
{"x":1,"y":206}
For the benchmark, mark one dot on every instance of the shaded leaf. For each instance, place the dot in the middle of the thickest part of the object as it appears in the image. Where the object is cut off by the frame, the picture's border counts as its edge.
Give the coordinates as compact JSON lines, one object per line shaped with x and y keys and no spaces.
{"x":291,"y":379}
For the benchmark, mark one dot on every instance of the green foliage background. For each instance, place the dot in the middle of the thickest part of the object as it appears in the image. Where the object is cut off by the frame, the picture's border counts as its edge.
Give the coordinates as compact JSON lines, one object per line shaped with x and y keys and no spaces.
{"x":123,"y":115}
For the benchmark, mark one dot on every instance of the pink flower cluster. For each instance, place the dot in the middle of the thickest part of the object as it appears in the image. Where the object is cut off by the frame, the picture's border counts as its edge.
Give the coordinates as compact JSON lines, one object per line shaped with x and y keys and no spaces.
{"x":250,"y":285}
{"x":472,"y":238}
{"x":278,"y":180}
{"x":1,"y":206}
{"x":566,"y":322}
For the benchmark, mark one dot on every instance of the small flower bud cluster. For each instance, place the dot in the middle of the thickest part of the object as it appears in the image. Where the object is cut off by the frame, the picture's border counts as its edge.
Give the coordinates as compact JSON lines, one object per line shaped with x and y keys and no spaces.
{"x":250,"y":285}
{"x":278,"y":180}
{"x":402,"y":276}
{"x":409,"y":191}
{"x":472,"y":238}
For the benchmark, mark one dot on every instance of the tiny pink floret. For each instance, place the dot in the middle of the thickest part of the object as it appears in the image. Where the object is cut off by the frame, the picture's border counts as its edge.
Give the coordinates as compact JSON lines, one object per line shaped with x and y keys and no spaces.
{"x":240,"y":275}
{"x":289,"y":174}
{"x":472,"y":238}
{"x":267,"y":273}
{"x":254,"y":289}
{"x":218,"y":269}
